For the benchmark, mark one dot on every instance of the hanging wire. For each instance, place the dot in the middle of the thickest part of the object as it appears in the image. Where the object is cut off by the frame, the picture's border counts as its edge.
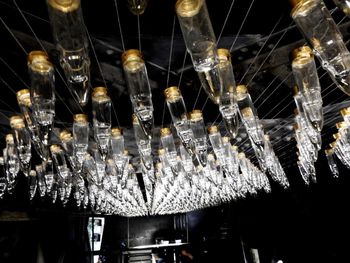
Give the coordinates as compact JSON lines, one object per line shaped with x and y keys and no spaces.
{"x":119,"y":24}
{"x":169,"y":65}
{"x":262,"y":47}
{"x":242,"y":24}
{"x":226,"y":18}
{"x":139,"y":31}
{"x":101,"y":72}
{"x":13,"y":36}
{"x":14,"y":72}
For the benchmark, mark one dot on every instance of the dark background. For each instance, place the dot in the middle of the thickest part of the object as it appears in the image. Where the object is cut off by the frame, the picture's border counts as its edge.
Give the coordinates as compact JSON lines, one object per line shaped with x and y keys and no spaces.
{"x":301,"y":224}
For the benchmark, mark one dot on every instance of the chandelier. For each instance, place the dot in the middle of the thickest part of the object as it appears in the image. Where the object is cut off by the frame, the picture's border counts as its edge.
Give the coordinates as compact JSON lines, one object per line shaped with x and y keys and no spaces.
{"x":88,"y":162}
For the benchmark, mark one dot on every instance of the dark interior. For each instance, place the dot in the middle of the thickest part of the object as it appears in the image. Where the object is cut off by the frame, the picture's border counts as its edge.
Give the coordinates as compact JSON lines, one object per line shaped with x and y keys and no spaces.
{"x":300,"y":224}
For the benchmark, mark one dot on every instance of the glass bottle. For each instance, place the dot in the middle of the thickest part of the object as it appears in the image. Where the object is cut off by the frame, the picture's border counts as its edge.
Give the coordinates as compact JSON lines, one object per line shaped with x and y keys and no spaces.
{"x":318,"y":27}
{"x":59,"y":160}
{"x":178,"y":112}
{"x":42,"y":92}
{"x":22,"y":142}
{"x":249,"y":115}
{"x":168,"y":144}
{"x":25,"y":105}
{"x":80,"y":136}
{"x":332,"y":162}
{"x":101,"y":111}
{"x":139,"y":88}
{"x":198,"y":33}
{"x":227,"y":103}
{"x":143,"y":143}
{"x":71,"y":40}
{"x":11,"y":163}
{"x":200,"y":135}
{"x":306,"y":78}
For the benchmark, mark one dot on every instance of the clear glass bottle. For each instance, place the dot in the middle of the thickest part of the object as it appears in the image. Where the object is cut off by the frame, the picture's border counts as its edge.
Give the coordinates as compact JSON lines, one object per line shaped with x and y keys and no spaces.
{"x":101,"y":111}
{"x":11,"y":163}
{"x":168,"y":144}
{"x":306,"y":78}
{"x":80,"y":136}
{"x":117,"y":147}
{"x":71,"y":40}
{"x":143,"y":142}
{"x":59,"y":160}
{"x":332,"y":162}
{"x":42,"y":91}
{"x":319,"y":29}
{"x":139,"y":88}
{"x":178,"y":112}
{"x":227,"y":103}
{"x":25,"y":105}
{"x":198,"y":33}
{"x":200,"y":135}
{"x":22,"y":142}
{"x":249,"y":115}
{"x":32,"y":183}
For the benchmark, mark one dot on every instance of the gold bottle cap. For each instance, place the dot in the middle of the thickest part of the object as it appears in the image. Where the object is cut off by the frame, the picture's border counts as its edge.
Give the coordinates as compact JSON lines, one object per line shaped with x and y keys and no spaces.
{"x":110,"y":162}
{"x":296,"y":126}
{"x":132,"y":60}
{"x":38,"y":61}
{"x":213,"y":129}
{"x":295,"y":90}
{"x":116,"y":132}
{"x":80,"y":118}
{"x":345,"y":112}
{"x":247,"y":112}
{"x":224,"y":54}
{"x":159,"y":166}
{"x":165,"y":131}
{"x":64,"y":6}
{"x":294,"y":2}
{"x":17,"y":122}
{"x":126,"y":152}
{"x":100,"y":98}
{"x":241,"y":89}
{"x":333,"y":145}
{"x":302,"y":55}
{"x":225,"y":139}
{"x":329,"y":151}
{"x":99,"y":91}
{"x":55,"y":148}
{"x":336,"y":136}
{"x":172,"y":93}
{"x":211,"y":157}
{"x":32,"y":173}
{"x":65,"y":136}
{"x":188,"y":8}
{"x":161,"y":151}
{"x":134,"y":118}
{"x":296,"y":112}
{"x":340,"y":125}
{"x":300,"y":6}
{"x":196,"y":115}
{"x":9,"y":138}
{"x":241,"y":155}
{"x":234,"y":147}
{"x":23,"y":97}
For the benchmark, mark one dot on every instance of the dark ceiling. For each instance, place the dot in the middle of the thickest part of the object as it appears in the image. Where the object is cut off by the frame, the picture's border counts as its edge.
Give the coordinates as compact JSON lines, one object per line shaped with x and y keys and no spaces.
{"x":260,"y":33}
